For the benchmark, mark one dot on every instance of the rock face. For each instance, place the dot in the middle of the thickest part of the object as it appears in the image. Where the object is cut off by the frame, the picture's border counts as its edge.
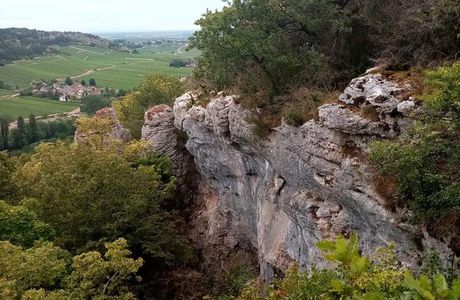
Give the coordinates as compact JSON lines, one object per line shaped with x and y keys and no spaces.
{"x":282,"y":194}
{"x":160,"y":131}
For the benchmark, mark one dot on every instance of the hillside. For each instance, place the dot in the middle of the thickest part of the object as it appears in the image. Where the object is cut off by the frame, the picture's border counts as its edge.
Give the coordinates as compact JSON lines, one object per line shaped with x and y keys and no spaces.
{"x":19,"y":43}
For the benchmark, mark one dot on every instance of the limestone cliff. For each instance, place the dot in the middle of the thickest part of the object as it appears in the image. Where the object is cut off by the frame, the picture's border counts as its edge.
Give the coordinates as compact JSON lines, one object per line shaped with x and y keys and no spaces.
{"x":281,"y":194}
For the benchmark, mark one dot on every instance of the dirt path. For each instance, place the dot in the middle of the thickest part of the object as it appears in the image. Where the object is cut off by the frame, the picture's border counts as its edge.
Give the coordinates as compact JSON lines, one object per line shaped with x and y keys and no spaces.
{"x":179,"y":51}
{"x":7,"y":97}
{"x":140,"y":59}
{"x":54,"y":117}
{"x":85,"y":50}
{"x":89,"y":72}
{"x":106,"y":68}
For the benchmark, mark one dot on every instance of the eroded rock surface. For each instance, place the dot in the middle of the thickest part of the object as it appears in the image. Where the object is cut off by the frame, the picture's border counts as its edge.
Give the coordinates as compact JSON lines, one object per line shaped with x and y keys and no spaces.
{"x":160,"y":131}
{"x":284,"y":193}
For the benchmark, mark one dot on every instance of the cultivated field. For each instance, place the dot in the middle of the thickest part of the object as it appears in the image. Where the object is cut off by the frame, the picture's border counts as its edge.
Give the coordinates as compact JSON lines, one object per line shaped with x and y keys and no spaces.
{"x":24,"y":106}
{"x":6,"y":92}
{"x":110,"y":68}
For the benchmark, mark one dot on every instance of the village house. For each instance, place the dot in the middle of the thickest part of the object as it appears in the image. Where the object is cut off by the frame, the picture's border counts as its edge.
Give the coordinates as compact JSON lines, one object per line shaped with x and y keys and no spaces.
{"x":64,"y":92}
{"x":75,"y":92}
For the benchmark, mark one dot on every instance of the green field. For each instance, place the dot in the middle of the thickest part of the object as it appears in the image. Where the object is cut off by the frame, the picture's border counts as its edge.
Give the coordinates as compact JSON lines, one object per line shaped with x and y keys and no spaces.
{"x":6,"y":92}
{"x":24,"y":106}
{"x":114,"y":69}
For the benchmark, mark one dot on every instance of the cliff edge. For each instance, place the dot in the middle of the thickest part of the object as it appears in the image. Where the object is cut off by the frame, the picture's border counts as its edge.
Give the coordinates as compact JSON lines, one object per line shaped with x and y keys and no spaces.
{"x":279,"y":195}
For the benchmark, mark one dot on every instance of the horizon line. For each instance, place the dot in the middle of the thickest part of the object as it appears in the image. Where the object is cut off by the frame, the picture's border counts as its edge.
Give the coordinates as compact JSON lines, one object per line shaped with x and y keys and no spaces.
{"x":108,"y":31}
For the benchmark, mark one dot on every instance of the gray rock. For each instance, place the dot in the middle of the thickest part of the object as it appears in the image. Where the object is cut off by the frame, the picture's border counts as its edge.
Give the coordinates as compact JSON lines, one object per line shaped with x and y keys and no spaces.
{"x":300,"y":185}
{"x":338,"y":117}
{"x":374,"y":90}
{"x":406,"y":107}
{"x":160,"y":131}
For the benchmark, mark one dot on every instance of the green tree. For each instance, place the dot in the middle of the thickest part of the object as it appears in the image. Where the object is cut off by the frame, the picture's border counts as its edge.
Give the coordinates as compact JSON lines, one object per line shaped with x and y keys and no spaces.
{"x":91,"y":104}
{"x":68,"y":81}
{"x":268,"y":46}
{"x":4,"y":132}
{"x":8,"y":187}
{"x":19,"y":136}
{"x":108,"y":277}
{"x":33,"y":130}
{"x":21,"y":226}
{"x":154,"y":90}
{"x":88,"y":192}
{"x":46,"y":272}
{"x":42,"y":266}
{"x":83,"y":82}
{"x":92,"y":82}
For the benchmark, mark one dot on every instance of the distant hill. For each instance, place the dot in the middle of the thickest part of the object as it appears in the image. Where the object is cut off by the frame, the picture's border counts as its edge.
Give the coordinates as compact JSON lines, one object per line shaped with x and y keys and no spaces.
{"x":19,"y":43}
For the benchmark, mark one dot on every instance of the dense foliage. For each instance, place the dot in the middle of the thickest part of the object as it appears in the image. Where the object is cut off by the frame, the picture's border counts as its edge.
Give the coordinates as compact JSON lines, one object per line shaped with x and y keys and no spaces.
{"x":18,"y":43}
{"x":68,"y":199}
{"x":32,"y":131}
{"x":355,"y":277}
{"x":8,"y":188}
{"x":426,"y":162}
{"x":88,"y":192}
{"x":49,"y":272}
{"x":266,"y":48}
{"x":155,"y":89}
{"x":91,"y":104}
{"x":21,"y":226}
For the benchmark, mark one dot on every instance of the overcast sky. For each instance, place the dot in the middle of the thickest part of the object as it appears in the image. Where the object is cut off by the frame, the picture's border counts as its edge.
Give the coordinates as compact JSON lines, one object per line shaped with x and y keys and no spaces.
{"x":104,"y":15}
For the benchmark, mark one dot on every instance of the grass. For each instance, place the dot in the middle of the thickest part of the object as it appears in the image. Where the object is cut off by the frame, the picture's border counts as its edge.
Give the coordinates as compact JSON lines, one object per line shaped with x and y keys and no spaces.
{"x":114,"y":69}
{"x":6,"y":92}
{"x":24,"y":106}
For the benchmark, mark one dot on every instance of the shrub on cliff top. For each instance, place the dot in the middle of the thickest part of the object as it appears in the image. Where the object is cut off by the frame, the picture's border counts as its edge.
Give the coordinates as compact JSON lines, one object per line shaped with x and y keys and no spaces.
{"x":355,"y":277}
{"x":262,"y":48}
{"x":426,"y":162}
{"x":269,"y":45}
{"x":154,"y":90}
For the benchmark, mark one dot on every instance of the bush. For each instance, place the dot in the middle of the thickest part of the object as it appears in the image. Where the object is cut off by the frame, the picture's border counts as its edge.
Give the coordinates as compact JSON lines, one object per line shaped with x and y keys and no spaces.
{"x":21,"y":226}
{"x":179,"y":63}
{"x":355,"y":277}
{"x":443,"y":98}
{"x":268,"y":45}
{"x":105,"y":194}
{"x":426,"y":162}
{"x":261,"y":127}
{"x":91,"y":104}
{"x":426,"y":36}
{"x":154,"y":90}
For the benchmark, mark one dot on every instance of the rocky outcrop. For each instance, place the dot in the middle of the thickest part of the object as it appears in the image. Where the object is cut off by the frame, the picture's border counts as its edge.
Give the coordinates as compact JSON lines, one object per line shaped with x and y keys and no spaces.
{"x":282,"y":194}
{"x":160,"y":131}
{"x":117,"y":131}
